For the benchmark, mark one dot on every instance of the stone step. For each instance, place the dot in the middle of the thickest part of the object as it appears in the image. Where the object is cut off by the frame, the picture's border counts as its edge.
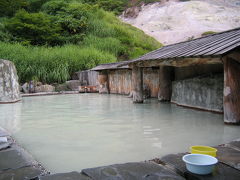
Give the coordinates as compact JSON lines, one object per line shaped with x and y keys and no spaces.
{"x":132,"y":171}
{"x":65,"y":176}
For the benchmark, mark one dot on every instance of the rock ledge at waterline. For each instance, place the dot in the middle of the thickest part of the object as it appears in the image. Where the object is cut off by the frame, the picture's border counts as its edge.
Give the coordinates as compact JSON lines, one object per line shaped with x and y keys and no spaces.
{"x":9,"y":87}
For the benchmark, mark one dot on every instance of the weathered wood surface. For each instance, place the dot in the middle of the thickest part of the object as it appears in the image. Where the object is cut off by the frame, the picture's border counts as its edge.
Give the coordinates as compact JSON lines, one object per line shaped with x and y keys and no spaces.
{"x":177,"y":62}
{"x":120,"y":81}
{"x":137,"y":84}
{"x":103,"y":82}
{"x":231,"y":91}
{"x":165,"y":83}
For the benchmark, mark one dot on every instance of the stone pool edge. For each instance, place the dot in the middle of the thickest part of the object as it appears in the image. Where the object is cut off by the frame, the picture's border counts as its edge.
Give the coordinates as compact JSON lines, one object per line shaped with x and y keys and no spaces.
{"x":49,"y":93}
{"x":16,"y":162}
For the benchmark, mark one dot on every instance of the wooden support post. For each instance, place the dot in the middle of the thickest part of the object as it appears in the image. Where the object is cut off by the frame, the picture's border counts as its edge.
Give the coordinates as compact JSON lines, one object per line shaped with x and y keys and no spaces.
{"x":165,"y":83}
{"x":103,"y":82}
{"x":231,"y":91}
{"x":137,"y":84}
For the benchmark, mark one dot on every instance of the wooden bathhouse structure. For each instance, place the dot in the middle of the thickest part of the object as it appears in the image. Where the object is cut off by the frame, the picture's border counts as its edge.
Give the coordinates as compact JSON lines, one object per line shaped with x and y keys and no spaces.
{"x":203,"y":73}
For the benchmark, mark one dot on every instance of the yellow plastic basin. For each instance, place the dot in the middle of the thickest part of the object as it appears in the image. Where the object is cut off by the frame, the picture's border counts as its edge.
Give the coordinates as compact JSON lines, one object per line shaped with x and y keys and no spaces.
{"x":203,"y":150}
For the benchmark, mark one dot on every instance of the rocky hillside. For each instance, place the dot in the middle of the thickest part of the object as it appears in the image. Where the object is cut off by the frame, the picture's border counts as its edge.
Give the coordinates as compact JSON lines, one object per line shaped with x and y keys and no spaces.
{"x":171,"y":21}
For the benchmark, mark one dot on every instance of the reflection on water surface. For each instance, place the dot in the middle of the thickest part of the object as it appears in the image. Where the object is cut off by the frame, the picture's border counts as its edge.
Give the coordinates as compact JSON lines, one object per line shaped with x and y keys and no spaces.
{"x":72,"y":132}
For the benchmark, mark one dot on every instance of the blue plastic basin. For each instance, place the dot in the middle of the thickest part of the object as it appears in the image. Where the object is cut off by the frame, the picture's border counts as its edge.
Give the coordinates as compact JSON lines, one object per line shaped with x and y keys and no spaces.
{"x":199,"y":163}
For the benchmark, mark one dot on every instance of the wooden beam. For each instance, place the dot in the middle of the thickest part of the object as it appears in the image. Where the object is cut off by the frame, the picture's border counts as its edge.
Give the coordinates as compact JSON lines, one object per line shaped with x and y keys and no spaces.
{"x":234,"y":55}
{"x":166,"y":74}
{"x":231,"y":91}
{"x":137,"y":84}
{"x":103,"y":82}
{"x":177,"y":62}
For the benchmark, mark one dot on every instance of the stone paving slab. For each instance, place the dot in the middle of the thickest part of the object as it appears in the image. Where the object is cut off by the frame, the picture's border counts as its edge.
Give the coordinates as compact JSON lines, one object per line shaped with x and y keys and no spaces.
{"x":235,"y":143}
{"x":12,"y":159}
{"x":65,"y":176}
{"x":221,"y":171}
{"x":49,"y":93}
{"x":24,"y":173}
{"x":175,"y":160}
{"x":229,"y":156}
{"x":15,"y":157}
{"x":132,"y":171}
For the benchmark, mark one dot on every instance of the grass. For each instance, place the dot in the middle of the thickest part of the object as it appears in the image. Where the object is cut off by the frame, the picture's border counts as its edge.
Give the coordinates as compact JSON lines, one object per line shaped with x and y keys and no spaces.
{"x":52,"y":64}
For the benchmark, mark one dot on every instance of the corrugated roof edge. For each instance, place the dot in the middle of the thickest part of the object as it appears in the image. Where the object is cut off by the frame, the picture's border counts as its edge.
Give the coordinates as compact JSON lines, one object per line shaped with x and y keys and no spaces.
{"x":116,"y":65}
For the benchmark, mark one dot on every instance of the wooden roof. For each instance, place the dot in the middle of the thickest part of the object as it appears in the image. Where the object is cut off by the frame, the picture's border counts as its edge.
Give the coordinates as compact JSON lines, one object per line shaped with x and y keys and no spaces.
{"x":211,"y":45}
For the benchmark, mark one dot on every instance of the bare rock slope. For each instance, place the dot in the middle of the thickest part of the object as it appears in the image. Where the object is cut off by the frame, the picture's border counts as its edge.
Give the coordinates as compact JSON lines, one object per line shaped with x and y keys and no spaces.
{"x":174,"y":21}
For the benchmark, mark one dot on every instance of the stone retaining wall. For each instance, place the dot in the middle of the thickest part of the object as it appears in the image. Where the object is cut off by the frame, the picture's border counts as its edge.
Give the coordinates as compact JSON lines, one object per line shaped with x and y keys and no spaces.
{"x":202,"y":92}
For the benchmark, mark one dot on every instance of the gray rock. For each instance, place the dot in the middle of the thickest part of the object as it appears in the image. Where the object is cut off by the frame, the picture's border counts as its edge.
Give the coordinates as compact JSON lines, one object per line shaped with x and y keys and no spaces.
{"x":132,"y":171}
{"x":9,"y":87}
{"x":4,"y":145}
{"x":65,"y":176}
{"x":73,"y":85}
{"x":7,"y":144}
{"x":61,"y":87}
{"x":20,"y":88}
{"x":44,"y":88}
{"x":16,"y":157}
{"x":25,"y":88}
{"x":12,"y":159}
{"x":24,"y":173}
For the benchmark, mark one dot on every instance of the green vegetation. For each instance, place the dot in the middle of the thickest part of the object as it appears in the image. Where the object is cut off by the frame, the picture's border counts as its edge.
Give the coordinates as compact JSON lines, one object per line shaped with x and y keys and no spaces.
{"x":208,"y":33}
{"x":117,"y":6}
{"x":49,"y":40}
{"x":52,"y":64}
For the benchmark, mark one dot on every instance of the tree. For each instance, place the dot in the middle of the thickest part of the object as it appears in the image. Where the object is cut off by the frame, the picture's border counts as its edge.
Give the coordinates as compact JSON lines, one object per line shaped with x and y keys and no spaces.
{"x":34,"y":28}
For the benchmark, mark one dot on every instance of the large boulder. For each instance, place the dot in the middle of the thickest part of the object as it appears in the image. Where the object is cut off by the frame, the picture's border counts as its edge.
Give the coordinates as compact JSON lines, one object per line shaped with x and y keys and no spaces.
{"x":9,"y":87}
{"x":61,"y":87}
{"x":73,"y":85}
{"x":44,"y":88}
